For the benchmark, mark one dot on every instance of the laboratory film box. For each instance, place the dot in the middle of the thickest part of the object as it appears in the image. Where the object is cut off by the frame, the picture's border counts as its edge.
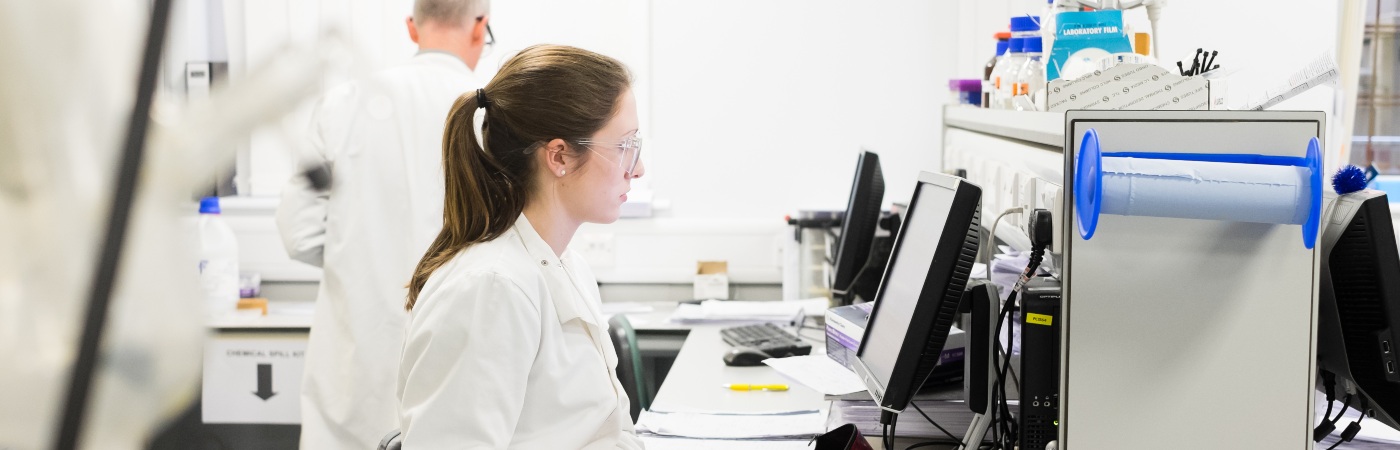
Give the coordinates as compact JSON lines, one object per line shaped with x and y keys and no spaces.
{"x":845,"y":326}
{"x":1130,"y":87}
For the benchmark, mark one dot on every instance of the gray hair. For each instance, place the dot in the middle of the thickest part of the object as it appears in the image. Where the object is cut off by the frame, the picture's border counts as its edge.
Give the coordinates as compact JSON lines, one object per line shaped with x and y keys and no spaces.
{"x":449,"y":12}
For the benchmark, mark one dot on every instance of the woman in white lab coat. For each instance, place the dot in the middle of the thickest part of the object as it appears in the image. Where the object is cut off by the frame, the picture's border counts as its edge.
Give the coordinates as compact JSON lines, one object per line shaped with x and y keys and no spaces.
{"x":506,"y":347}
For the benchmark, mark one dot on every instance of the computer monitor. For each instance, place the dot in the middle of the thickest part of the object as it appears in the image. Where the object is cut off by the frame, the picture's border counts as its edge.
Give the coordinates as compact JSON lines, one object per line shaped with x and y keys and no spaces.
{"x":921,"y":290}
{"x":858,"y":229}
{"x":1359,"y":306}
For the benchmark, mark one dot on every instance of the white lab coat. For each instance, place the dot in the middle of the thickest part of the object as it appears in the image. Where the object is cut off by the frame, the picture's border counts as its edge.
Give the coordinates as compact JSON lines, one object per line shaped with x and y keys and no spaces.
{"x":382,"y":139}
{"x":507,"y":348}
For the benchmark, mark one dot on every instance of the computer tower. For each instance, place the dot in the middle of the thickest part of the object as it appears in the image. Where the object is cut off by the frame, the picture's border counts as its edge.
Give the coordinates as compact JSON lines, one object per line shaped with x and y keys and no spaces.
{"x":1040,"y":362}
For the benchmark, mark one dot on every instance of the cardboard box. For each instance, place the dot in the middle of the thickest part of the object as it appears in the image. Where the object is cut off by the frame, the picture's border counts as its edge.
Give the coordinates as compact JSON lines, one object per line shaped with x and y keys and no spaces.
{"x":1130,"y":87}
{"x":712,"y":280}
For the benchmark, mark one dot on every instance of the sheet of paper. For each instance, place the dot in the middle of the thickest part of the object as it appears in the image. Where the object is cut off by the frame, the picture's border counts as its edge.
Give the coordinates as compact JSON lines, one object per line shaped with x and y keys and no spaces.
{"x":718,"y":426}
{"x":677,"y":443}
{"x":746,"y":412}
{"x":737,"y":311}
{"x":818,"y":372}
{"x":613,"y":308}
{"x":720,"y":309}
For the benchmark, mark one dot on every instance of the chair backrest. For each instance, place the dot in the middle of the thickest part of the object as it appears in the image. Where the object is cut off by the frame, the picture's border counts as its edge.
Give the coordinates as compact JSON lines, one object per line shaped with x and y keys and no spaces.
{"x":629,"y":363}
{"x":391,"y":441}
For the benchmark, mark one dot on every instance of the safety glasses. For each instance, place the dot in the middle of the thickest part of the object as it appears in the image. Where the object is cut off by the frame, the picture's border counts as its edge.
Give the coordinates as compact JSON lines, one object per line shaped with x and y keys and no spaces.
{"x":627,"y":152}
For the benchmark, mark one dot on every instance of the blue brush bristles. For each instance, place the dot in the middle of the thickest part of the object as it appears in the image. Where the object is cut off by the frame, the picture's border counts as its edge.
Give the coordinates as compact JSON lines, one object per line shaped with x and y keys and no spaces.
{"x":1349,"y":179}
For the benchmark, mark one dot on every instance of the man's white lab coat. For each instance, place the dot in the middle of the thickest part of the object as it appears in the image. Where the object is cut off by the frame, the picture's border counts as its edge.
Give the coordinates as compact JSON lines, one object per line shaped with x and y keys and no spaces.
{"x":382,"y":139}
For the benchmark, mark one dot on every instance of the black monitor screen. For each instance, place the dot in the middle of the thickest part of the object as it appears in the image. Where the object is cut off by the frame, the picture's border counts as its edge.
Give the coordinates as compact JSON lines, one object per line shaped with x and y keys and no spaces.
{"x":1359,"y":305}
{"x":858,"y":225}
{"x":921,"y":289}
{"x":904,"y":280}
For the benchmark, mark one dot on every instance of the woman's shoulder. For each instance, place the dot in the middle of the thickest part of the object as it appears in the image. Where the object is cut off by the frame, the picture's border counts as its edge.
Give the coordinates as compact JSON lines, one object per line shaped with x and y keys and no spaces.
{"x":494,"y":268}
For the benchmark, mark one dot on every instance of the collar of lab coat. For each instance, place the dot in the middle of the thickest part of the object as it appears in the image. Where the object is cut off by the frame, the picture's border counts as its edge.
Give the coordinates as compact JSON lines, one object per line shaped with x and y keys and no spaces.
{"x":568,"y":296}
{"x":443,"y":58}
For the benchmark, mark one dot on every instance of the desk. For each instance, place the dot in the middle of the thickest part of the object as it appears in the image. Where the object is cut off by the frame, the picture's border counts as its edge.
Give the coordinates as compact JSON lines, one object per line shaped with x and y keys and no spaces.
{"x":694,"y":383}
{"x":695,"y":379}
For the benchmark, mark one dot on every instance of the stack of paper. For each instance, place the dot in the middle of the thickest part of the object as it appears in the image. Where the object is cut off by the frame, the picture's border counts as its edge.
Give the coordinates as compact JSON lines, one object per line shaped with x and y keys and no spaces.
{"x":675,"y":443}
{"x":819,"y":373}
{"x":942,"y":403}
{"x":727,"y":311}
{"x":952,"y":415}
{"x":731,"y":426}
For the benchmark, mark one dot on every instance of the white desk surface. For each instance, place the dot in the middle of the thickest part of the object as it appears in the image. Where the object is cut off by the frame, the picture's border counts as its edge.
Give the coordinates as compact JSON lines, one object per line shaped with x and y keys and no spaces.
{"x":696,"y":381}
{"x":694,"y":384}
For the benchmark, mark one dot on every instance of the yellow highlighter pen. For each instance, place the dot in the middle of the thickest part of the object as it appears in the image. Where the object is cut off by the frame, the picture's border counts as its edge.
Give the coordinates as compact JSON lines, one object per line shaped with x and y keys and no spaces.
{"x":756,"y":387}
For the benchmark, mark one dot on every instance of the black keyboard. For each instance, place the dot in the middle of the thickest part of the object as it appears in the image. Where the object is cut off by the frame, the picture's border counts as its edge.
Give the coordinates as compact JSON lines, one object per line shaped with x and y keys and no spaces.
{"x":768,"y":338}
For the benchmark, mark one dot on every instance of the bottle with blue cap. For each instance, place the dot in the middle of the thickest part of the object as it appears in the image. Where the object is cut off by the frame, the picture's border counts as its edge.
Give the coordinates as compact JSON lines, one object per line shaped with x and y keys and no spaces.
{"x":1022,"y":28}
{"x":218,"y":260}
{"x":1030,"y":81}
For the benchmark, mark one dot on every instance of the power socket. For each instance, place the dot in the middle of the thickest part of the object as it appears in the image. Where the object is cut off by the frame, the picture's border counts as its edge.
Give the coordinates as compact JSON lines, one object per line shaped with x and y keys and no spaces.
{"x":598,"y":249}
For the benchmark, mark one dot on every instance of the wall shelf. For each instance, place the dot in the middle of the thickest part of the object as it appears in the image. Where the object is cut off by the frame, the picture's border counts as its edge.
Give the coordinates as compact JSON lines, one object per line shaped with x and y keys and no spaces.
{"x":1044,"y":128}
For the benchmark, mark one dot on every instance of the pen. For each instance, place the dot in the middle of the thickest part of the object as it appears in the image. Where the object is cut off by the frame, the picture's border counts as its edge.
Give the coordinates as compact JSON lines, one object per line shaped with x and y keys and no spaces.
{"x":756,"y":387}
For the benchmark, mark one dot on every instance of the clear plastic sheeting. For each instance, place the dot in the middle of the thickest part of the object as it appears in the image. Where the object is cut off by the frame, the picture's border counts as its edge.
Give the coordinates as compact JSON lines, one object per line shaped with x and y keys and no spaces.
{"x":1206,"y":190}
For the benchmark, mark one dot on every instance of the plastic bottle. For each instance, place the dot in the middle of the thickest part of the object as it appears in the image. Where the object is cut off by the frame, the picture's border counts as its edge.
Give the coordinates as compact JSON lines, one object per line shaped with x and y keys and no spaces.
{"x":1022,"y":27}
{"x":999,"y":74}
{"x":1030,"y":79}
{"x":1006,"y":79}
{"x":218,"y":260}
{"x":987,"y":86}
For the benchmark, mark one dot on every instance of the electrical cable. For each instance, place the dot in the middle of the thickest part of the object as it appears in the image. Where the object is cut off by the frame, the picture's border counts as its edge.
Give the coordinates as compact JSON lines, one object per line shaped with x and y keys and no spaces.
{"x":935,"y":424}
{"x":990,"y":249}
{"x":1325,"y":427}
{"x":930,"y":444}
{"x":893,"y":434}
{"x":1350,"y":432}
{"x":1346,"y":403}
{"x":123,"y":197}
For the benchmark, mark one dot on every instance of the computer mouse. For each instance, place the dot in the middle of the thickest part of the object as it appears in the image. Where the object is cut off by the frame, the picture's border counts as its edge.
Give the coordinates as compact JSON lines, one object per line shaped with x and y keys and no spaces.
{"x":745,"y":356}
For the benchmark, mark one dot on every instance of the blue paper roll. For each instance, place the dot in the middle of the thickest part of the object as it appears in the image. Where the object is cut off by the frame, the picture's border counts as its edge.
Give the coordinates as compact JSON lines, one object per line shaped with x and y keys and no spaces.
{"x":1226,"y":187}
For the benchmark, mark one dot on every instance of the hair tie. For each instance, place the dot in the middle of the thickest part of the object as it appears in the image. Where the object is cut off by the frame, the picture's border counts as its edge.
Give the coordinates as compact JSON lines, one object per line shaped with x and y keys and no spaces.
{"x":481,"y":100}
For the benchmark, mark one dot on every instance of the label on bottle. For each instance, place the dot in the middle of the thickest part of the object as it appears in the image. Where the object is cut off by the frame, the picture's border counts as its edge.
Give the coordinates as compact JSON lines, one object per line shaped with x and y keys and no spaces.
{"x":218,"y":278}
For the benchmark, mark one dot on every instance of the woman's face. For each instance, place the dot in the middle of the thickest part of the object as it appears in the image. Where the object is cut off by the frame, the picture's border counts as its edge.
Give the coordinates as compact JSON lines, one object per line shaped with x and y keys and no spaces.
{"x":595,"y":190}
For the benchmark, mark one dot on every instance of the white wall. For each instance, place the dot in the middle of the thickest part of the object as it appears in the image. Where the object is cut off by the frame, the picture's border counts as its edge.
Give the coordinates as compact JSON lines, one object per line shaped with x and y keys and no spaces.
{"x":760,"y":107}
{"x":774,"y":98}
{"x":755,"y":109}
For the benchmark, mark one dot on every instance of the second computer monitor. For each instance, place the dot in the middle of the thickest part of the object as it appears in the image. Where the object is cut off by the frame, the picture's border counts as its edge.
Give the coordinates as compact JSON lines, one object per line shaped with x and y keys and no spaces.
{"x":921,"y":289}
{"x":858,"y":226}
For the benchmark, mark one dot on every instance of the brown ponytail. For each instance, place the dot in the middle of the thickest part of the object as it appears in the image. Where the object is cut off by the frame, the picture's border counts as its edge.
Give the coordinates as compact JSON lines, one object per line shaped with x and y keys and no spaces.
{"x":545,"y":92}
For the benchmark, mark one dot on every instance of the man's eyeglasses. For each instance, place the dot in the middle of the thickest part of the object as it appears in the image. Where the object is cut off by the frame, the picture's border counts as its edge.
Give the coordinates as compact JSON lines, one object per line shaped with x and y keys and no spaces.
{"x":629,"y":151}
{"x":490,"y":37}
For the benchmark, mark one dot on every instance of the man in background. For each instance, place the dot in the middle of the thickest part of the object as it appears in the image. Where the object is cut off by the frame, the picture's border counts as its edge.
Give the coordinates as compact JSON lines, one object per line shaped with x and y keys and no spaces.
{"x":381,"y":139}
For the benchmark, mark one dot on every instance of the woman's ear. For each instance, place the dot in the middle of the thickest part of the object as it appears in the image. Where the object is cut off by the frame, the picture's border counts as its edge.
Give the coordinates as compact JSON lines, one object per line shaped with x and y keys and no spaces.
{"x":556,"y":157}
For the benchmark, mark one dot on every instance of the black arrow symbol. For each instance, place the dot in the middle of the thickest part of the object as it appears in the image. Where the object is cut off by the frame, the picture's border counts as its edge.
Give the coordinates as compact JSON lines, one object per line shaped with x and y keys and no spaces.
{"x":264,"y":382}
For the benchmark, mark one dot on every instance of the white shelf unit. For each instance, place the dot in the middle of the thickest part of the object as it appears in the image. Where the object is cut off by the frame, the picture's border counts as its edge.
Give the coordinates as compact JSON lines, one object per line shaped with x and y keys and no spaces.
{"x":1016,"y":157}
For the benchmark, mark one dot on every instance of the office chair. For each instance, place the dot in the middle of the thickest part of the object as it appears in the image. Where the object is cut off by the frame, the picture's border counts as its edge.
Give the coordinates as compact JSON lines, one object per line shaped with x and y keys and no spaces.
{"x":629,"y":363}
{"x":391,"y":441}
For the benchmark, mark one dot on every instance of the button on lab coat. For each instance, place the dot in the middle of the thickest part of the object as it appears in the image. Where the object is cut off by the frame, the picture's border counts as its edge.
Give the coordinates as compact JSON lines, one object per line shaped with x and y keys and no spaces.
{"x":382,"y":139}
{"x":507,"y":348}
